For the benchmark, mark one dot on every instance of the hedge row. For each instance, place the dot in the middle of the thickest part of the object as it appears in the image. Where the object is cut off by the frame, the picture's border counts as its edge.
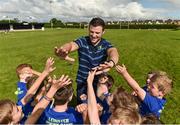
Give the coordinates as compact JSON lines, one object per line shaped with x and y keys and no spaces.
{"x":143,"y":26}
{"x":130,"y":26}
{"x":48,"y":25}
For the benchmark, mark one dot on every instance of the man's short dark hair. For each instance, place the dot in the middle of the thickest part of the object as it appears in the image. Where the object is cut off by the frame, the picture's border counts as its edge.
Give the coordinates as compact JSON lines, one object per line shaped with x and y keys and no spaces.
{"x":97,"y":22}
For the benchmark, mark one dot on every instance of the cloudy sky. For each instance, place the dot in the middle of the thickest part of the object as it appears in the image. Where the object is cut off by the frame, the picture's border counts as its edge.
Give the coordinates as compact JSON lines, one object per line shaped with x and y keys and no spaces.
{"x":84,"y":10}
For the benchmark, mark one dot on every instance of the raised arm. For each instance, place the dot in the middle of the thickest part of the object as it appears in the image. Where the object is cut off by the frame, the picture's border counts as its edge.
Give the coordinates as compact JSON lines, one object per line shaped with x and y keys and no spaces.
{"x":44,"y":102}
{"x":132,"y":83}
{"x":113,"y":55}
{"x":92,"y":104}
{"x":65,"y":49}
{"x":113,"y":58}
{"x":48,"y":69}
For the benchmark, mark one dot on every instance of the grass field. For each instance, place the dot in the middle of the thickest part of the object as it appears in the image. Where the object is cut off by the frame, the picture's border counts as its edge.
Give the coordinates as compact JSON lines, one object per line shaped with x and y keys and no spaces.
{"x":140,"y":50}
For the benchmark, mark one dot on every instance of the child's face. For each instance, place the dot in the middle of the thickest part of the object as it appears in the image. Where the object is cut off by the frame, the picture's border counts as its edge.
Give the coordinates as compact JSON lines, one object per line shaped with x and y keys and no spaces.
{"x":153,"y":90}
{"x":17,"y":114}
{"x":26,"y":72}
{"x":103,"y":79}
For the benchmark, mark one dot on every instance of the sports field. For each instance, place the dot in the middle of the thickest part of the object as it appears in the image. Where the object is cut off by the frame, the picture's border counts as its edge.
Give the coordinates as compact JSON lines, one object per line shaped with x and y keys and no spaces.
{"x":140,"y":50}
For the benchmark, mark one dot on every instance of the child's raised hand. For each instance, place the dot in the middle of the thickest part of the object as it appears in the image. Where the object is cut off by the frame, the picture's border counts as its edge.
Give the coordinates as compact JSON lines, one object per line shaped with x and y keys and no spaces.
{"x":49,"y":65}
{"x":62,"y":81}
{"x":81,"y":107}
{"x":121,"y":69}
{"x":134,"y":93}
{"x":101,"y":69}
{"x":91,"y":76}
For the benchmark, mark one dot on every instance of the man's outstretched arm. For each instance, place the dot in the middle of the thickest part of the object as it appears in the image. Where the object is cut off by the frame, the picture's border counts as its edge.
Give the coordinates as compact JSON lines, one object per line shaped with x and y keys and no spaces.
{"x":65,"y":49}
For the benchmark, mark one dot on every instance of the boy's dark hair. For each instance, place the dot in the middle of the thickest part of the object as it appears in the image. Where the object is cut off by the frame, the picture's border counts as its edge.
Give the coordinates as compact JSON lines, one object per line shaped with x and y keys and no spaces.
{"x":97,"y":22}
{"x":63,"y":95}
{"x":20,"y":67}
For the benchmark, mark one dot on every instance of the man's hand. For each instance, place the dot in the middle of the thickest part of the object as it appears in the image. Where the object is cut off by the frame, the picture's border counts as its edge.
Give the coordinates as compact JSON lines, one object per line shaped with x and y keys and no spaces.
{"x":105,"y":67}
{"x":63,"y":53}
{"x":107,"y":64}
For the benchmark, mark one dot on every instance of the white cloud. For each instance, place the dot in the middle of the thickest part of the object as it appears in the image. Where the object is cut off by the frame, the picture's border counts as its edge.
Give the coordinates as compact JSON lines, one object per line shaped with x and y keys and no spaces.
{"x":110,"y":9}
{"x":175,"y":3}
{"x":78,"y":9}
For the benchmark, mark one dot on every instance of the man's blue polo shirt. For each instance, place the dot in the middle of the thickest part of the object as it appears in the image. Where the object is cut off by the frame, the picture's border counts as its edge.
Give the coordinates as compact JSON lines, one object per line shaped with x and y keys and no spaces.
{"x":90,"y":56}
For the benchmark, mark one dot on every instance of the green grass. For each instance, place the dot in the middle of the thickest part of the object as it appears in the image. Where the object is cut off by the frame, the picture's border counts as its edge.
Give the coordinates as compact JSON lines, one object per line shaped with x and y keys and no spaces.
{"x":140,"y":50}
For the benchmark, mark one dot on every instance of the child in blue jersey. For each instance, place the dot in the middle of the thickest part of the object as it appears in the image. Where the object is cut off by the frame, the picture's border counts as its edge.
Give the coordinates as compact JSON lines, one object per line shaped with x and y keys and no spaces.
{"x":10,"y":113}
{"x":29,"y":100}
{"x":59,"y":112}
{"x":152,"y":99}
{"x":24,"y":72}
{"x":42,"y":105}
{"x":29,"y":106}
{"x":105,"y":83}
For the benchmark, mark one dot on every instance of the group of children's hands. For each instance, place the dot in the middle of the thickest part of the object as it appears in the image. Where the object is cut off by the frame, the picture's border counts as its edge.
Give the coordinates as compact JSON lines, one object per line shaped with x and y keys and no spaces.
{"x":56,"y":82}
{"x":62,"y":81}
{"x":103,"y":68}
